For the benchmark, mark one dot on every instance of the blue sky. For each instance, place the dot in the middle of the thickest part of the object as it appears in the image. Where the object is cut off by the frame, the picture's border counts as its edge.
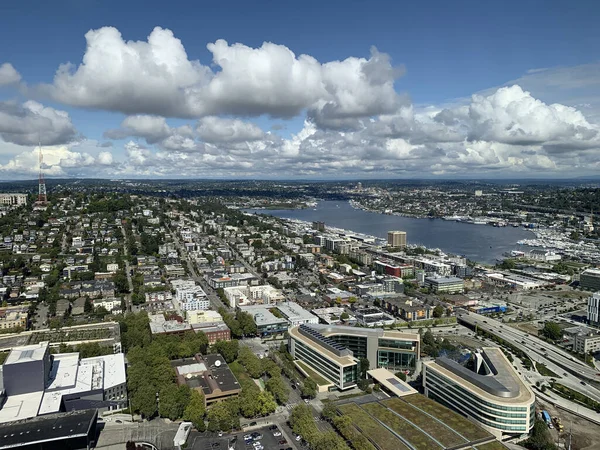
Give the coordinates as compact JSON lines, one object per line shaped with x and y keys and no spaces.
{"x":448,"y":50}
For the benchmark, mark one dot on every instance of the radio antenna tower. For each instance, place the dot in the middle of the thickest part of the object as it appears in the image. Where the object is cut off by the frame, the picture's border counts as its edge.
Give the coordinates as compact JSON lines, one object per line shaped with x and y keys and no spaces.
{"x":42,"y":198}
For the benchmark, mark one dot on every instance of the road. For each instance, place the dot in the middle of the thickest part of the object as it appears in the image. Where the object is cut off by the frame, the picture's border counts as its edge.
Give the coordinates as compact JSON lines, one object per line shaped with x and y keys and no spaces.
{"x":214,"y":299}
{"x":540,"y":351}
{"x":127,"y":270}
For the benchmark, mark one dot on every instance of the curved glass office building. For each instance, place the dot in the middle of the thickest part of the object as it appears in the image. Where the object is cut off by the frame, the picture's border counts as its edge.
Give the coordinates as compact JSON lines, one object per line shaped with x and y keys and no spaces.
{"x":492,"y":394}
{"x":333,"y":351}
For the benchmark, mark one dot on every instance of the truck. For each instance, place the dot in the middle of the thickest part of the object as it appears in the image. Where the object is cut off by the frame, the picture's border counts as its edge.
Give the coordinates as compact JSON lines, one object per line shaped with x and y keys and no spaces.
{"x":546,"y":418}
{"x":558,"y":424}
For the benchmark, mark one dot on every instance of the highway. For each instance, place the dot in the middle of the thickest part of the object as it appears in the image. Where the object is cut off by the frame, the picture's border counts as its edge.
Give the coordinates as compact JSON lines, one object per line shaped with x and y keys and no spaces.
{"x":571,"y":370}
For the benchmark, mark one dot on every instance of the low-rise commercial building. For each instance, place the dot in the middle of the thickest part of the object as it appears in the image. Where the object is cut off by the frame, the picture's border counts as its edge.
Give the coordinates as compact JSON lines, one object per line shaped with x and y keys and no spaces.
{"x":13,"y":317}
{"x":296,"y":314}
{"x":445,"y":284}
{"x":373,"y":317}
{"x":266,"y":322}
{"x":209,"y":374}
{"x":492,"y":394}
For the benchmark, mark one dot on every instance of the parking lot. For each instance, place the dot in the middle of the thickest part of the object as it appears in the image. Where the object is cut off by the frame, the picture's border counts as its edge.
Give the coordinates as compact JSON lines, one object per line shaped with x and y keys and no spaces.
{"x":211,"y":441}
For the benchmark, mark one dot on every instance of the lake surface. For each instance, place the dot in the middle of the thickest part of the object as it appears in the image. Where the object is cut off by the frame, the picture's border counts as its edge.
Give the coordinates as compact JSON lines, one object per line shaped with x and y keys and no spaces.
{"x":482,"y":243}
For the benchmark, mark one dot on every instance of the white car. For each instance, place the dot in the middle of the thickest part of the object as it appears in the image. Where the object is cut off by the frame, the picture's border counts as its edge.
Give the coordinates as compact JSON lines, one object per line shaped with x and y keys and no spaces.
{"x":298,"y":438}
{"x":277,"y":433}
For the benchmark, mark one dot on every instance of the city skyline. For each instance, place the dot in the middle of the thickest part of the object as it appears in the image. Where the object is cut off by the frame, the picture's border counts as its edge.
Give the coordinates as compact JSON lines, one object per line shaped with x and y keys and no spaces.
{"x":300,"y":92}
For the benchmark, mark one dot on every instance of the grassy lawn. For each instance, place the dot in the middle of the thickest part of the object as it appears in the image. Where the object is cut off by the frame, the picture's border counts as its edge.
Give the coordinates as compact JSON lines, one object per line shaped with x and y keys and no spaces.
{"x":314,"y":375}
{"x":494,"y":445}
{"x":415,"y":437}
{"x":384,"y":439}
{"x":455,"y":421}
{"x":543,"y":370}
{"x":443,"y":434}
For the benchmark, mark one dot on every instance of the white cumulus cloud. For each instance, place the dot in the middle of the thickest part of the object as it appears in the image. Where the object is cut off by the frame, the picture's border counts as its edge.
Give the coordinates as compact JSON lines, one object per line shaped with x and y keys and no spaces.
{"x":8,"y":75}
{"x":155,"y":77}
{"x":26,"y":123}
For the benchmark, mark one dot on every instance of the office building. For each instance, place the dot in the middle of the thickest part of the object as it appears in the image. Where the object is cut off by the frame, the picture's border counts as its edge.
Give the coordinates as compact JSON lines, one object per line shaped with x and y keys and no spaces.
{"x":593,"y":309}
{"x":492,"y":394}
{"x":447,"y":285}
{"x":587,"y":343}
{"x":332,"y":361}
{"x":396,"y":239}
{"x":37,"y":382}
{"x":590,"y":280}
{"x":329,"y":350}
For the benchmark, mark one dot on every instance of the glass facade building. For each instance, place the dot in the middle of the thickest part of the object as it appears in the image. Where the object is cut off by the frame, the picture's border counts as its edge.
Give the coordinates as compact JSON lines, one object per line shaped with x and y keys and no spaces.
{"x":512,"y":413}
{"x":323,"y":346}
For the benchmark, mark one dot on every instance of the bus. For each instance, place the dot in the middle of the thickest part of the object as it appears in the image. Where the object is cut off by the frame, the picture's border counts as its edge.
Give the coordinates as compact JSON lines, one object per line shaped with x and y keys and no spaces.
{"x":546,"y":418}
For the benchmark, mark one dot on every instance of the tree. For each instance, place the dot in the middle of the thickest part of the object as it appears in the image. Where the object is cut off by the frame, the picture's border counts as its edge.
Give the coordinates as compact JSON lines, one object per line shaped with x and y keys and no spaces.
{"x":228,"y":349}
{"x":144,"y":401}
{"x":266,"y":403}
{"x":309,"y":388}
{"x":540,"y":438}
{"x":222,"y":416}
{"x":276,"y":386}
{"x":251,"y":362}
{"x":195,"y":410}
{"x":438,"y":311}
{"x":88,"y":307}
{"x":344,"y":316}
{"x":552,"y":331}
{"x":401,"y":375}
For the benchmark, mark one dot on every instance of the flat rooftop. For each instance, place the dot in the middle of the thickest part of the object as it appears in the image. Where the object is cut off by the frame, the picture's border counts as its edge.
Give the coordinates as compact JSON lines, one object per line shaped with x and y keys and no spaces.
{"x":47,"y":428}
{"x":391,"y":382}
{"x":262,"y":315}
{"x":293,"y":311}
{"x":27,"y":353}
{"x":330,"y":330}
{"x":340,"y":360}
{"x":19,"y":407}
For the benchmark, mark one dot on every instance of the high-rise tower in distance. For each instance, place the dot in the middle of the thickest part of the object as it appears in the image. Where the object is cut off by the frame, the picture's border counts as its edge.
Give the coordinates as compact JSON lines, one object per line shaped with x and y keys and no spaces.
{"x":42,"y":197}
{"x":396,"y":239}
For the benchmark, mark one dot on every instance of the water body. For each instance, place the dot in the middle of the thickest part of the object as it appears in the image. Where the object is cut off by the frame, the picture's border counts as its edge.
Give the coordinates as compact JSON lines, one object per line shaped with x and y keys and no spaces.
{"x":482,"y":243}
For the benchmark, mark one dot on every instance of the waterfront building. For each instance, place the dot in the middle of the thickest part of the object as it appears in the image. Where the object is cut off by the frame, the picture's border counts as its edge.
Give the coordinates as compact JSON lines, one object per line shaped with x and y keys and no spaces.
{"x":590,"y":280}
{"x":492,"y":394}
{"x":396,"y":239}
{"x":450,"y":285}
{"x":332,"y":350}
{"x":593,"y":309}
